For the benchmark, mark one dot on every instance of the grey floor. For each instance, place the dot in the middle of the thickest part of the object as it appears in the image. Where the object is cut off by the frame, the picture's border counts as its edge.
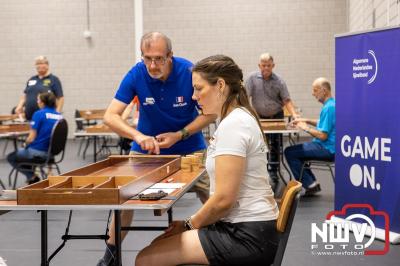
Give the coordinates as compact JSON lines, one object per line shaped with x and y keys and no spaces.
{"x":20,"y":230}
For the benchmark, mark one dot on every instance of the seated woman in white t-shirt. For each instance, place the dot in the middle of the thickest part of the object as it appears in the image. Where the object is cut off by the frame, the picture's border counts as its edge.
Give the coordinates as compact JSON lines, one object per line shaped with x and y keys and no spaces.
{"x":236,"y":226}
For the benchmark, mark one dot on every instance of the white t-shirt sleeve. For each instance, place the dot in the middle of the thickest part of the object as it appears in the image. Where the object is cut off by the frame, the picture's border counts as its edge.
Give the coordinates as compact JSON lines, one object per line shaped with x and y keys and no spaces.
{"x":232,"y":138}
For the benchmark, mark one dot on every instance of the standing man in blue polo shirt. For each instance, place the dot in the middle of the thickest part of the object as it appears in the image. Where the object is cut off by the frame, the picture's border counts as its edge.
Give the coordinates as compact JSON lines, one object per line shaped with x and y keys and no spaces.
{"x":169,"y":122}
{"x":322,"y":146}
{"x":44,"y":81}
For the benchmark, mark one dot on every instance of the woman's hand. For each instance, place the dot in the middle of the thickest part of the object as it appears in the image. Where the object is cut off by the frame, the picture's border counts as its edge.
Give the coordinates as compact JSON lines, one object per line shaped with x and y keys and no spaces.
{"x":176,"y":227}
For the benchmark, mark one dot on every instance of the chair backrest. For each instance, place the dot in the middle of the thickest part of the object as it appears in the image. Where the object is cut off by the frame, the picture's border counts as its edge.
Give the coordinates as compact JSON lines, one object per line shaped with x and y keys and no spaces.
{"x":325,"y":165}
{"x":58,"y":137}
{"x":79,"y":122}
{"x":322,"y":160}
{"x":287,"y":211}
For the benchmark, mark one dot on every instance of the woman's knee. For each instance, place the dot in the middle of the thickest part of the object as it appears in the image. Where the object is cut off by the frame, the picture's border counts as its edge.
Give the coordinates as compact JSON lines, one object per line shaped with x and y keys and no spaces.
{"x":139,"y":259}
{"x":143,"y":258}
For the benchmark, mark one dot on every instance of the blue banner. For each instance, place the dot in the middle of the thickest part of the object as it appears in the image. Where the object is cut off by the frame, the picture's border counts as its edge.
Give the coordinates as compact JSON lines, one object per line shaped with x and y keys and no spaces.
{"x":368,"y":123}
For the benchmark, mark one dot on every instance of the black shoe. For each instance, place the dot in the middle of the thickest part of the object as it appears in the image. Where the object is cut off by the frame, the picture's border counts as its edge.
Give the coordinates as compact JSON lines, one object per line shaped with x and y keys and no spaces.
{"x":33,"y":180}
{"x":108,"y":258}
{"x":312,"y":190}
{"x":102,"y":262}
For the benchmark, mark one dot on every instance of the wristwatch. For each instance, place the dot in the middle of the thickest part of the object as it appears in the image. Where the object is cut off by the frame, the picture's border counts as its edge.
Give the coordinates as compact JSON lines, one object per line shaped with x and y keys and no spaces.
{"x":188,"y":224}
{"x":185,"y":133}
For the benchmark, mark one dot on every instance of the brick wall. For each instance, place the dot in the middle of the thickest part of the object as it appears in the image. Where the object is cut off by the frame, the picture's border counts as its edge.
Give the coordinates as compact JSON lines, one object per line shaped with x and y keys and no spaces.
{"x":299,"y":33}
{"x":369,"y":14}
{"x":90,"y":70}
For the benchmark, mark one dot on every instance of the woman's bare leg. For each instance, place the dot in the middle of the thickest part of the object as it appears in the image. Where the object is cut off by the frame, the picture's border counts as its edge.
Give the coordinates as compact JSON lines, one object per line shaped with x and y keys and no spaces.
{"x":178,"y":249}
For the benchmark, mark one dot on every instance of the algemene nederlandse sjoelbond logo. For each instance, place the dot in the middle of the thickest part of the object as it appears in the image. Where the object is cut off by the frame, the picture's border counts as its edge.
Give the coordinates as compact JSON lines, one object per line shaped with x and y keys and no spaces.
{"x":366,"y":68}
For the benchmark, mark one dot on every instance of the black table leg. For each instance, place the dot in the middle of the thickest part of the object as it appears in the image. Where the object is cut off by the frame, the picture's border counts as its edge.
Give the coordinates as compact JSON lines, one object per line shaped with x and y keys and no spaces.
{"x":95,"y":148}
{"x":43,"y":221}
{"x":170,"y":218}
{"x":15,"y":143}
{"x":117,"y":219}
{"x":282,"y":159}
{"x":278,"y":150}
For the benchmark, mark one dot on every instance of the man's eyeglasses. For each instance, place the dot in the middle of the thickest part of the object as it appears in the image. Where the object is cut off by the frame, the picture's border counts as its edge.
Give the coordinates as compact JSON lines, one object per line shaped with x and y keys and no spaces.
{"x":158,"y":60}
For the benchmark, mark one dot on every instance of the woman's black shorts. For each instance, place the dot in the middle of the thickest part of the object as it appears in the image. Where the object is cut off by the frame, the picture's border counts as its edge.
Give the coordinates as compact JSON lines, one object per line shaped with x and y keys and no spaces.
{"x":247,"y":243}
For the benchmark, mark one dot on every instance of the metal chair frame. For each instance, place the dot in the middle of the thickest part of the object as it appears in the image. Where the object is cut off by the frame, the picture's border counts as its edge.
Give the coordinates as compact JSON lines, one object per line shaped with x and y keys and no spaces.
{"x":56,"y":147}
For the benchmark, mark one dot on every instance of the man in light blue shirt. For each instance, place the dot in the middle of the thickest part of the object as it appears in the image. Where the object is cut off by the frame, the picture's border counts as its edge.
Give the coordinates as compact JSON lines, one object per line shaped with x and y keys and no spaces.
{"x":322,"y":147}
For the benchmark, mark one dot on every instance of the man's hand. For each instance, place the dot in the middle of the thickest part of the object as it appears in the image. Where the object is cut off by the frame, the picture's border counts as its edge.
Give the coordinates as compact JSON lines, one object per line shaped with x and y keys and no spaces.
{"x":19,"y":110}
{"x":168,"y":139}
{"x":298,"y":120}
{"x":296,"y":116}
{"x":147,"y":143}
{"x":302,"y":125}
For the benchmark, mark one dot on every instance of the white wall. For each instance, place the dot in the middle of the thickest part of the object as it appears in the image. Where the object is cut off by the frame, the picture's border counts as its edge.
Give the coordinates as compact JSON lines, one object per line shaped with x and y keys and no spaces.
{"x":299,"y":33}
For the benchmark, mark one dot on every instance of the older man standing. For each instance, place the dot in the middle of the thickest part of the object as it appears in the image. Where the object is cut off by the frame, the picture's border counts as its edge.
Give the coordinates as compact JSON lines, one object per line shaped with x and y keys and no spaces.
{"x":322,"y":147}
{"x":44,"y":81}
{"x":269,"y":94}
{"x":169,"y":122}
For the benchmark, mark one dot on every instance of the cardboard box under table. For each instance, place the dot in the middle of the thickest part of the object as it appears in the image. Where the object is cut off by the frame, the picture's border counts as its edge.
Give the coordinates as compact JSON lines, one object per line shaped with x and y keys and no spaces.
{"x":111,"y":181}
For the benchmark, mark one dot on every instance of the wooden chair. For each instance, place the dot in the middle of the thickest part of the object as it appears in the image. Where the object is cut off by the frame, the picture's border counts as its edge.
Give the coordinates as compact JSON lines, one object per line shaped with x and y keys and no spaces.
{"x":325,"y":165}
{"x":287,"y":211}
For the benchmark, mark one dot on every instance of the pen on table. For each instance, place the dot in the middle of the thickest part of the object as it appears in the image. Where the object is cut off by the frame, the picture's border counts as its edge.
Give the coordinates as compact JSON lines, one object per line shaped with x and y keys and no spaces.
{"x":169,"y":180}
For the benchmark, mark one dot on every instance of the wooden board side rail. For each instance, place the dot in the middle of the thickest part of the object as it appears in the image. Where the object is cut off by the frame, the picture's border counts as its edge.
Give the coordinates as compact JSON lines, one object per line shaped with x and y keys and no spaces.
{"x":101,"y":128}
{"x":111,"y":181}
{"x":14,"y":128}
{"x":8,"y":117}
{"x":94,"y":114}
{"x":273,"y":125}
